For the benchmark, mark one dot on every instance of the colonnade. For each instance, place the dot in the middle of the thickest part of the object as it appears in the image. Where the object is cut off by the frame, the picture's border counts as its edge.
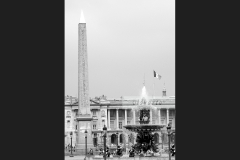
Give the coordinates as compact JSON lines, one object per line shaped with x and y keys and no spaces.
{"x":134,"y":117}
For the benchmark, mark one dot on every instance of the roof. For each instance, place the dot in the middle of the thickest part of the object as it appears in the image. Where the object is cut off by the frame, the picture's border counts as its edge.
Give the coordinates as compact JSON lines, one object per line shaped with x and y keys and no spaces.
{"x":128,"y":101}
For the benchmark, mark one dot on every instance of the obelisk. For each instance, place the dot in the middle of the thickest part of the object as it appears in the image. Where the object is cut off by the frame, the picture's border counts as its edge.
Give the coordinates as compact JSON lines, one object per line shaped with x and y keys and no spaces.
{"x":84,"y":116}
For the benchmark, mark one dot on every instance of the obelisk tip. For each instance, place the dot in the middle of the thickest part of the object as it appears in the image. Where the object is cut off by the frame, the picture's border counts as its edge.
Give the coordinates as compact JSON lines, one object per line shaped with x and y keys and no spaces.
{"x":82,"y":20}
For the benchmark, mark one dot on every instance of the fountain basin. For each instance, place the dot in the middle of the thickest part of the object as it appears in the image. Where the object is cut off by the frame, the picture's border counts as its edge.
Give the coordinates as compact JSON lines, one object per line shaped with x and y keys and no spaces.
{"x":144,"y":127}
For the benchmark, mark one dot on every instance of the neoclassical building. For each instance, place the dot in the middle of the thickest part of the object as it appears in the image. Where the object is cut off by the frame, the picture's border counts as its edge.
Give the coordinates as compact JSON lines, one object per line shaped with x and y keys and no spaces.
{"x":115,"y":113}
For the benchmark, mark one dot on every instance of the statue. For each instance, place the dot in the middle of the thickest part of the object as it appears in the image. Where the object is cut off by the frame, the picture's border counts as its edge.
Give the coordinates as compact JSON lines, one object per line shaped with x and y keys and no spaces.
{"x":131,"y":152}
{"x":107,"y":152}
{"x":119,"y":151}
{"x":145,"y":118}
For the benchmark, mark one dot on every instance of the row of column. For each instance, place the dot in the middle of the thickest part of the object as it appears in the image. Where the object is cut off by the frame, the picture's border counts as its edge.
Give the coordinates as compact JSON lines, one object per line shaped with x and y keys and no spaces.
{"x":117,"y":118}
{"x":159,"y":117}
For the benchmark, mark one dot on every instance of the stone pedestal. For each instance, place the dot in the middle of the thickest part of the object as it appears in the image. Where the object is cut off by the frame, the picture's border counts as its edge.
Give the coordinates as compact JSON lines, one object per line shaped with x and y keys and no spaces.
{"x":84,"y":123}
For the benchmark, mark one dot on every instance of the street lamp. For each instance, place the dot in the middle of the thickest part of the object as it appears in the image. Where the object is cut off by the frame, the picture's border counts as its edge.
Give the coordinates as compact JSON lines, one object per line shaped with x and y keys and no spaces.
{"x":104,"y":135}
{"x":162,"y":138}
{"x":117,"y":138}
{"x":71,"y":144}
{"x":169,"y":130}
{"x":117,"y":142}
{"x":85,"y":144}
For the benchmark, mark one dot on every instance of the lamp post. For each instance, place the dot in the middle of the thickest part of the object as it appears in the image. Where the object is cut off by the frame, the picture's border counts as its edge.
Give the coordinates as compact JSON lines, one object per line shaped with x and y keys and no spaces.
{"x":169,"y":130}
{"x":171,"y":134}
{"x":104,"y":135}
{"x":85,"y":144}
{"x":117,"y":141}
{"x":71,"y":144}
{"x":162,"y":139}
{"x":117,"y":138}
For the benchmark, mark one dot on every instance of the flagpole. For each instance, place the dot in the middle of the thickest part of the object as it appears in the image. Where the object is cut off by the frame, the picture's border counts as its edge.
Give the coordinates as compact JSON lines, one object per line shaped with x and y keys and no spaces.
{"x":153,"y":87}
{"x":153,"y":84}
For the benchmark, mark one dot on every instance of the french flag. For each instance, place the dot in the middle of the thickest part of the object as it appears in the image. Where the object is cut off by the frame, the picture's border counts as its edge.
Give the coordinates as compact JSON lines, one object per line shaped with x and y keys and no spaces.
{"x":156,"y":75}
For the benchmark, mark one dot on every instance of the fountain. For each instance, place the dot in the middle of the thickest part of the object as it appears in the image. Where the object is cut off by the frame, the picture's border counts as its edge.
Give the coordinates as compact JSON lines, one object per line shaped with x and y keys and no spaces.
{"x":145,"y":145}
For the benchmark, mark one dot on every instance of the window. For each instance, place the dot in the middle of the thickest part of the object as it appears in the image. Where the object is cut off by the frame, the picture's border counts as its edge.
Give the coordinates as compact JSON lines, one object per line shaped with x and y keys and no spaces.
{"x":112,"y":114}
{"x":103,"y":122}
{"x":171,"y":113}
{"x":112,"y":124}
{"x":121,"y":113}
{"x":153,"y":122}
{"x":163,"y":113}
{"x":128,"y":122}
{"x":163,"y":120}
{"x":76,"y":127}
{"x":94,"y":112}
{"x":94,"y":125}
{"x":121,"y":138}
{"x":120,"y":125}
{"x":68,"y":124}
{"x":129,"y":113}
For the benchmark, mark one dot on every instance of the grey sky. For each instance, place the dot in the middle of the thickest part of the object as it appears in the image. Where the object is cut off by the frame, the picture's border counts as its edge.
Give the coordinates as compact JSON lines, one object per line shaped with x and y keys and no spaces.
{"x":126,"y":39}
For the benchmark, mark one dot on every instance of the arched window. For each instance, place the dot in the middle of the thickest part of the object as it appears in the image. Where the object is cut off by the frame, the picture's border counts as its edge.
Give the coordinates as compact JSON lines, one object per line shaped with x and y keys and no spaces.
{"x":156,"y":137}
{"x":114,"y":139}
{"x":121,"y":138}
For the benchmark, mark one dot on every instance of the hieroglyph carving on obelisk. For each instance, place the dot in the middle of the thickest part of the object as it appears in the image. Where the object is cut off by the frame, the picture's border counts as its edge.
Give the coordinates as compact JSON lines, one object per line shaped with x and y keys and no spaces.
{"x":83,"y":86}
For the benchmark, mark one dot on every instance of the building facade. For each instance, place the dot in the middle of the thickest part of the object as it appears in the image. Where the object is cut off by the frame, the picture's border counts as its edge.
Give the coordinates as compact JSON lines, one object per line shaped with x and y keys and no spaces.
{"x":115,"y":113}
{"x":70,"y":99}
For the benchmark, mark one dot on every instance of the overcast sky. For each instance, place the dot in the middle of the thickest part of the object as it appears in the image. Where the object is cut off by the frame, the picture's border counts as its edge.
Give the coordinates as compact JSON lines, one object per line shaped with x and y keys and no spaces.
{"x":126,"y":39}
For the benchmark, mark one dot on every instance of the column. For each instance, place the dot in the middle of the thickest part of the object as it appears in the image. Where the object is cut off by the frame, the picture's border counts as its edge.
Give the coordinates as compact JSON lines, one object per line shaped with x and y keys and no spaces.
{"x":135,"y":137}
{"x":109,"y":139}
{"x":173,"y":121}
{"x":134,"y":117}
{"x":117,"y":118}
{"x":99,"y":122}
{"x":118,"y":138}
{"x":159,"y":116}
{"x":109,"y":119}
{"x":125,"y":116}
{"x":106,"y":122}
{"x":150,"y":116}
{"x":167,"y":116}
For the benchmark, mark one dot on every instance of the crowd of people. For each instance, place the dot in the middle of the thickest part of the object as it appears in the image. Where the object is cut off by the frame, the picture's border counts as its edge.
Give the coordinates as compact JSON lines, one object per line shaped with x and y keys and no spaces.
{"x":133,"y":152}
{"x":68,"y":147}
{"x":119,"y":151}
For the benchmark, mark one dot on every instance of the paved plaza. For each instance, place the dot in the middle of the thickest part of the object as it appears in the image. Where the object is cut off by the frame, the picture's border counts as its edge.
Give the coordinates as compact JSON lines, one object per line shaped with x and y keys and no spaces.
{"x":164,"y":156}
{"x":74,"y":158}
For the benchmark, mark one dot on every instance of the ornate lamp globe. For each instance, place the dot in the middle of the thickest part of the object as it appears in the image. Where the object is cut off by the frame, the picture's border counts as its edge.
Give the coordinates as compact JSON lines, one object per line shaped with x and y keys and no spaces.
{"x":168,"y":128}
{"x":85,"y":133}
{"x":104,"y":129}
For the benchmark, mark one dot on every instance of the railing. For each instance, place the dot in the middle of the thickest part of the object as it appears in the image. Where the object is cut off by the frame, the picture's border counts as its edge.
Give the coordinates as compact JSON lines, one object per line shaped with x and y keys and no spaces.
{"x":80,"y":151}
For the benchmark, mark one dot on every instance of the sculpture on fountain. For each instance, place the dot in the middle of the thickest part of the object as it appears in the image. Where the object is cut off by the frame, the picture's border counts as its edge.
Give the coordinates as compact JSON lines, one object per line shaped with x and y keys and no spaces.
{"x":119,"y":150}
{"x":131,"y":152}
